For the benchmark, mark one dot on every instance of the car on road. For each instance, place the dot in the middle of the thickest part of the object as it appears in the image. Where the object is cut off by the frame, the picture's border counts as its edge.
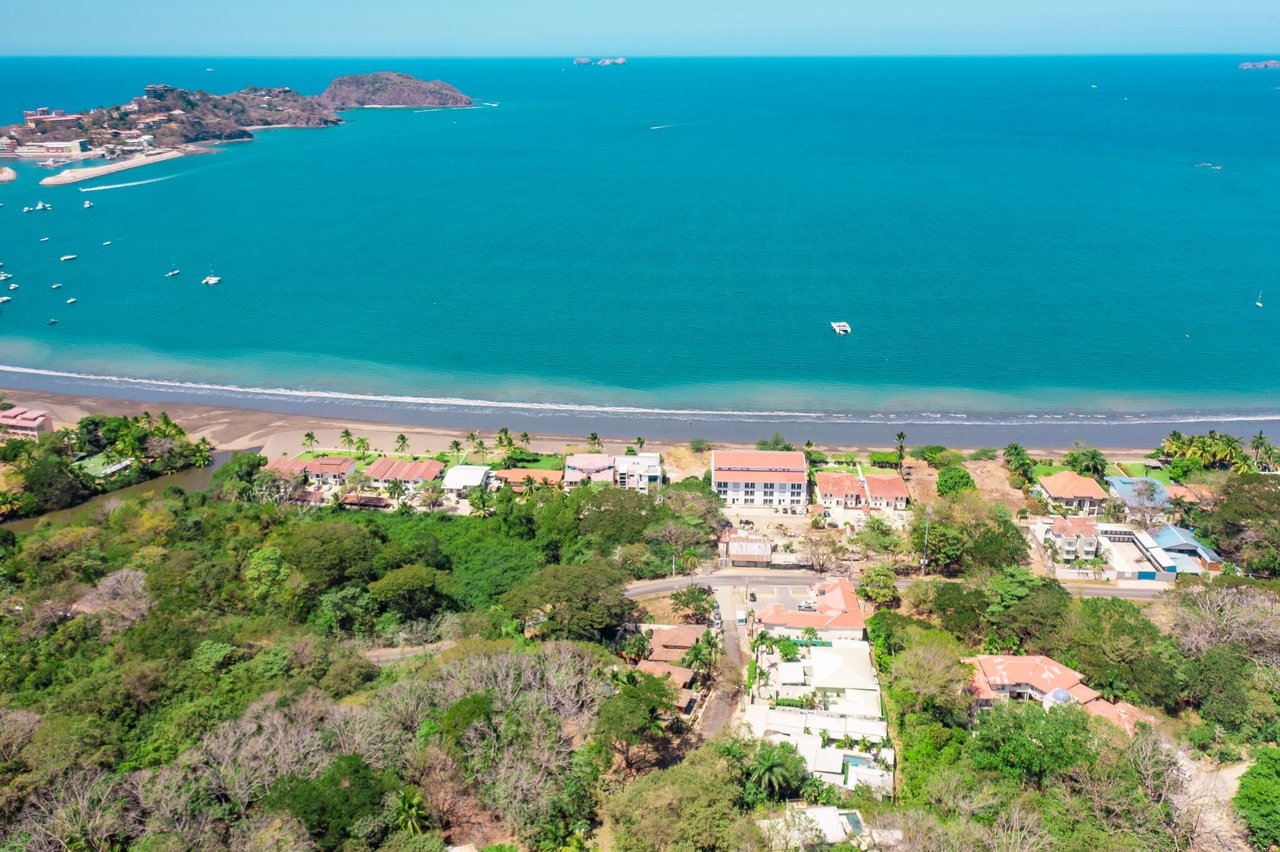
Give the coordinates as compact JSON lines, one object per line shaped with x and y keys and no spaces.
{"x":752,"y":597}
{"x":808,"y":605}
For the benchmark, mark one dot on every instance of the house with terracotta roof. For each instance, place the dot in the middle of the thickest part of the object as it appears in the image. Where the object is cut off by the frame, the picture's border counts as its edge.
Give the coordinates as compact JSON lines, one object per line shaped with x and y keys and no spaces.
{"x":680,"y":678}
{"x":837,"y":615}
{"x":838,"y":489}
{"x":760,"y":477}
{"x":1044,"y":680}
{"x":670,"y":644}
{"x":325,"y":470}
{"x":517,"y":476}
{"x":1068,"y":490}
{"x":887,"y":492}
{"x":411,"y":474}
{"x":30,"y":423}
{"x":1070,"y":539}
{"x":582,"y":468}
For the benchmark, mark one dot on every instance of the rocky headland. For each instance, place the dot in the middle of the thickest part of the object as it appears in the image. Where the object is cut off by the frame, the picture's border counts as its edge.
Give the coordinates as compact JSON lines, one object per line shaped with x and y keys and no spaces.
{"x":171,"y":117}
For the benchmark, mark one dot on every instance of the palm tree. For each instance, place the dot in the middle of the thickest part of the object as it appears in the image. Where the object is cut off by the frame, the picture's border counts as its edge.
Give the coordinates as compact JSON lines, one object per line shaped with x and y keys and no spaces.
{"x":430,"y":494}
{"x":593,"y":442}
{"x":9,"y":503}
{"x":308,"y":441}
{"x":202,"y":453}
{"x":901,"y":438}
{"x":346,"y":440}
{"x":395,"y":489}
{"x":402,"y":444}
{"x":639,"y":443}
{"x":1259,"y":444}
{"x":362,"y":446}
{"x":483,"y":449}
{"x":473,"y":438}
{"x":455,"y":447}
{"x":503,"y":437}
{"x":771,"y":771}
{"x":524,"y":440}
{"x":411,"y":812}
{"x":697,"y":658}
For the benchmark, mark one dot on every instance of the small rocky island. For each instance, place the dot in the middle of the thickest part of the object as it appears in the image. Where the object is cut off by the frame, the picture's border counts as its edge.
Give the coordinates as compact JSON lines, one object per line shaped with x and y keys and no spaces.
{"x":1265,"y":63}
{"x":389,"y":89}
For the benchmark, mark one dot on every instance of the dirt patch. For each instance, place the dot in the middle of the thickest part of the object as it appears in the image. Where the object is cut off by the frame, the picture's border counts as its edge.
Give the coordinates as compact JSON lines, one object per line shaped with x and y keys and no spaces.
{"x":922,"y":480}
{"x":992,"y":479}
{"x":660,"y":610}
{"x":681,"y":463}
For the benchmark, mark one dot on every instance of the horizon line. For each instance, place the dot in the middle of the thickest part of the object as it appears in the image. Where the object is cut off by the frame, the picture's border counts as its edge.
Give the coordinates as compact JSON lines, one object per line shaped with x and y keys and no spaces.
{"x":987,"y":55}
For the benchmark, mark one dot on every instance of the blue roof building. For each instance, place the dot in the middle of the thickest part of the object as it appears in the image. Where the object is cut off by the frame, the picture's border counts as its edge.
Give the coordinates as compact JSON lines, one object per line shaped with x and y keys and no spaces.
{"x":1174,"y":550}
{"x":1126,"y":488}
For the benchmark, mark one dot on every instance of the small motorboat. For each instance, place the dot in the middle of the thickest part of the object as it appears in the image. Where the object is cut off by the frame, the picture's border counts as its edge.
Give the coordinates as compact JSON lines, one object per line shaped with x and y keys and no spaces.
{"x":210,"y":280}
{"x":107,"y":243}
{"x":52,"y":322}
{"x":4,"y":299}
{"x":841,"y":327}
{"x":44,"y":239}
{"x":57,"y":287}
{"x":87,"y":204}
{"x":13,"y":286}
{"x":26,"y":209}
{"x":71,"y":301}
{"x":172,"y":272}
{"x":68,"y":257}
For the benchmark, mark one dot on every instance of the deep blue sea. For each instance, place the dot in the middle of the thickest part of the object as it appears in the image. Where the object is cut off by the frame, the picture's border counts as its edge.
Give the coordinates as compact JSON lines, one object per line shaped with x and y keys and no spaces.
{"x":1007,"y":236}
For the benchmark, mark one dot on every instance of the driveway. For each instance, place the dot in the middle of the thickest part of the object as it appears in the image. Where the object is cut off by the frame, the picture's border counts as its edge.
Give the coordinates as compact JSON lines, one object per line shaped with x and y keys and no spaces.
{"x":723,"y":700}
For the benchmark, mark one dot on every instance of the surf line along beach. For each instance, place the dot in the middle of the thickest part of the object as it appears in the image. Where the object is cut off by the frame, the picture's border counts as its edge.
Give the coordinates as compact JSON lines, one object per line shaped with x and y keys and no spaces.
{"x":77,"y":175}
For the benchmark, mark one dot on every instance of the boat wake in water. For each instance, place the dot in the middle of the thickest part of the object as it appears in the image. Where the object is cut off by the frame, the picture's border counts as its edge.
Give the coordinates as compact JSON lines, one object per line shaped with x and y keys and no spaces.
{"x":123,"y":185}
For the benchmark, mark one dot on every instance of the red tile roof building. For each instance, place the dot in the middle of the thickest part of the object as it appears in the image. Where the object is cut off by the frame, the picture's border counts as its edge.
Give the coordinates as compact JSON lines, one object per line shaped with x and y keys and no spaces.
{"x":20,"y":422}
{"x":327,"y":469}
{"x":838,"y":489}
{"x":760,"y":478}
{"x":838,"y":609}
{"x":669,"y":644}
{"x":411,"y":473}
{"x":1036,"y":678}
{"x":1069,"y":490}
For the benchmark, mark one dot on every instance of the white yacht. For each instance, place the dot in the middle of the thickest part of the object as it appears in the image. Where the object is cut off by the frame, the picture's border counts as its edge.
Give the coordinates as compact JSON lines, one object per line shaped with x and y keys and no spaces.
{"x":210,"y":280}
{"x":68,"y":257}
{"x":172,"y":272}
{"x":87,"y":204}
{"x":841,"y":327}
{"x":56,"y":287}
{"x":4,"y":299}
{"x":71,"y":301}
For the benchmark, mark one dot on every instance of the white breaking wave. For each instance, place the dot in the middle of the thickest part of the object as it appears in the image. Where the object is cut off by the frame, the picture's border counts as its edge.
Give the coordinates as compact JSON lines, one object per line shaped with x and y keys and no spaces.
{"x":953,"y":418}
{"x":123,"y":185}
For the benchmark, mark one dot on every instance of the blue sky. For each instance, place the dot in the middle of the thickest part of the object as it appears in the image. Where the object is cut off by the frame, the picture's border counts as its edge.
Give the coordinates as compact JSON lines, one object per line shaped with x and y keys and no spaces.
{"x":638,"y":27}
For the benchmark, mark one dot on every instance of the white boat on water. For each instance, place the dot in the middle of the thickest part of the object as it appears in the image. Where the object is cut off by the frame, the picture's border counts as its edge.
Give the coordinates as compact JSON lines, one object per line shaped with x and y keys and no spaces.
{"x":40,"y":205}
{"x":44,"y":239}
{"x":87,"y":204}
{"x":56,"y":287}
{"x":26,"y":209}
{"x":107,"y":243}
{"x":71,"y":301}
{"x":841,"y":327}
{"x":53,"y":322}
{"x":13,"y":286}
{"x":5,"y":276}
{"x":4,"y":299}
{"x":68,"y":257}
{"x":172,"y":272}
{"x":210,"y":280}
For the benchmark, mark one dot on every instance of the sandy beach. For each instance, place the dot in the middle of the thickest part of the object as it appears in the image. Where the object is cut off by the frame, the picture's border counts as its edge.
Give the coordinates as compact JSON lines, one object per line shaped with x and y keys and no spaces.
{"x":280,"y":433}
{"x":77,"y":175}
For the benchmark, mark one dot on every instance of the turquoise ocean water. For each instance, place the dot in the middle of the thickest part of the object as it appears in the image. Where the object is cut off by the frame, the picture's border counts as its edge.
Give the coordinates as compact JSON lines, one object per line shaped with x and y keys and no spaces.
{"x":1007,"y":237}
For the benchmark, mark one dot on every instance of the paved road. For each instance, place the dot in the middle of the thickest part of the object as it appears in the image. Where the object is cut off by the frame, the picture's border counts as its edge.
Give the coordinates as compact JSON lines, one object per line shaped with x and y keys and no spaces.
{"x":806,"y":578}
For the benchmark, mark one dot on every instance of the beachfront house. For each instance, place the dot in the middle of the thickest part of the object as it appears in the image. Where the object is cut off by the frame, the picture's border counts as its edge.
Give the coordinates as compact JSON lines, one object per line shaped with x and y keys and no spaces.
{"x":887,"y":492}
{"x":516,"y":477}
{"x":1070,"y":493}
{"x":838,"y":489}
{"x":760,"y":477}
{"x":325,"y":470}
{"x":411,"y":475}
{"x":29,"y":423}
{"x":641,"y":472}
{"x":1048,"y":682}
{"x":1148,"y":501}
{"x":583,"y":468}
{"x":1070,"y":539}
{"x":459,"y":480}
